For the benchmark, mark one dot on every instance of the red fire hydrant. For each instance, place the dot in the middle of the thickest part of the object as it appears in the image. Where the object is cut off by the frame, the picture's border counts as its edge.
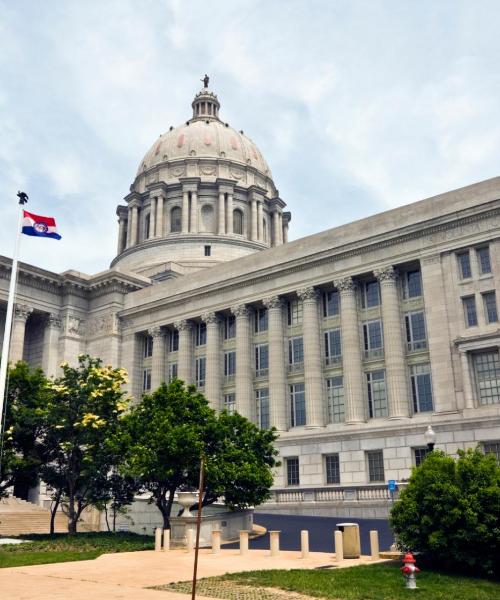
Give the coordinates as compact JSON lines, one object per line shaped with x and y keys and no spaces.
{"x":410,"y":570}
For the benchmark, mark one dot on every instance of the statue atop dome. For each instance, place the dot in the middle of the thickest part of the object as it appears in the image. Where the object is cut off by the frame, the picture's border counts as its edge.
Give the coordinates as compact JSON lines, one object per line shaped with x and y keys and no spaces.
{"x":205,"y":81}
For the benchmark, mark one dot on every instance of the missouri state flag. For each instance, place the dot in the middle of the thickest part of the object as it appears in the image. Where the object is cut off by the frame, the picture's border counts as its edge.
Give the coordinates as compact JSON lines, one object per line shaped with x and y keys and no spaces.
{"x":39,"y":226}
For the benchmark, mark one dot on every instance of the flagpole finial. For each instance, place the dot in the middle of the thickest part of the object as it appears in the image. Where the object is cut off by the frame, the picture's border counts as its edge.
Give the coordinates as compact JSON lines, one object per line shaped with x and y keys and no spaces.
{"x":23,"y":197}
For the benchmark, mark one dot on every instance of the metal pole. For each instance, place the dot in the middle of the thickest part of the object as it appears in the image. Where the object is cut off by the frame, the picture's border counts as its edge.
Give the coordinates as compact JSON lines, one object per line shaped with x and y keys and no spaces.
{"x":23,"y":198}
{"x":198,"y":527}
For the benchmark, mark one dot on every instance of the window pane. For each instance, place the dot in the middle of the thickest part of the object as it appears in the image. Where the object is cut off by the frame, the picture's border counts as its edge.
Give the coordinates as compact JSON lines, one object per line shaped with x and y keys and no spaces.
{"x":229,"y":327}
{"x":332,"y":468}
{"x":420,"y":454}
{"x":483,"y":256}
{"x":490,"y":307}
{"x":146,"y":379}
{"x":230,"y":403}
{"x":147,"y":346}
{"x":333,"y":346}
{"x":297,"y":405}
{"x":464,"y":265}
{"x":335,"y":400}
{"x":371,"y":296}
{"x":421,"y":388}
{"x":470,"y":311}
{"x":262,"y":402}
{"x":331,"y":304}
{"x":376,"y":465}
{"x":413,"y":284}
{"x":292,"y":471}
{"x":176,"y":219}
{"x":492,"y":448}
{"x":261,"y":320}
{"x":487,"y":369}
{"x":377,"y":398}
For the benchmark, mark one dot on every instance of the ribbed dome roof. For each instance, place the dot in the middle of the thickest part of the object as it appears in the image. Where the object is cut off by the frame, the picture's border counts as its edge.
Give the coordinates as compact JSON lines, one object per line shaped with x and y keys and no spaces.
{"x":205,"y":136}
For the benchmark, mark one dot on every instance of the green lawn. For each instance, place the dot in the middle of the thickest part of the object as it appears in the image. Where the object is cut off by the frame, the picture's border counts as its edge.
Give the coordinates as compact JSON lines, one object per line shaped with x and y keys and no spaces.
{"x":371,"y":582}
{"x":61,"y":547}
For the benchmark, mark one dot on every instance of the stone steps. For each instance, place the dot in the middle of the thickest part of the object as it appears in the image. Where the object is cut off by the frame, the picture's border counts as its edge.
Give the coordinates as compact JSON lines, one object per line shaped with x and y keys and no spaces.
{"x":19,"y":517}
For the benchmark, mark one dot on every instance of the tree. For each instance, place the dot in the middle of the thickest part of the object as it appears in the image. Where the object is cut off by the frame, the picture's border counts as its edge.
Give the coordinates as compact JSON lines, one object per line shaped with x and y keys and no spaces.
{"x":114,"y":494}
{"x":450,"y":511}
{"x":167,"y":433}
{"x":82,"y":421}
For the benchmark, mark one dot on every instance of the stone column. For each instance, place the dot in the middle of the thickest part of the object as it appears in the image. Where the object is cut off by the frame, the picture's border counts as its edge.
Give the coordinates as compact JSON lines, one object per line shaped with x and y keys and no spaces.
{"x":277,"y":372}
{"x":129,"y":228}
{"x":466,"y":380}
{"x":276,"y":228}
{"x":21,"y":314}
{"x":134,"y":225}
{"x":185,"y":365}
{"x":152,"y":219}
{"x":185,"y":211}
{"x":221,"y":222}
{"x":229,"y":213}
{"x":50,"y":353}
{"x":244,"y":364}
{"x":194,"y":212}
{"x":354,"y":379}
{"x":158,"y":359}
{"x":313,"y":378}
{"x":253,"y":229}
{"x":121,"y":234}
{"x":213,"y":375}
{"x":159,"y":216}
{"x":280,"y":228}
{"x":394,"y":345}
{"x":260,"y":230}
{"x":285,"y":232}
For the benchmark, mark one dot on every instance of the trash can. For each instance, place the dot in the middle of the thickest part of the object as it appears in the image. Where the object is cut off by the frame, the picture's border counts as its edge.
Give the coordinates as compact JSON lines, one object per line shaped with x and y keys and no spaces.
{"x":350,"y":539}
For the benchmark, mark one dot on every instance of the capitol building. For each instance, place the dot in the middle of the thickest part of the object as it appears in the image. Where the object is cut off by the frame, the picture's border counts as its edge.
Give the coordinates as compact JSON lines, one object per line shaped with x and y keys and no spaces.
{"x":350,"y":342}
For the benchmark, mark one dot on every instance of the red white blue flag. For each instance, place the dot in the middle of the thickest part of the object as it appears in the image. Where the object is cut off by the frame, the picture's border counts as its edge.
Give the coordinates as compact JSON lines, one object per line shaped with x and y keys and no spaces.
{"x":39,"y":226}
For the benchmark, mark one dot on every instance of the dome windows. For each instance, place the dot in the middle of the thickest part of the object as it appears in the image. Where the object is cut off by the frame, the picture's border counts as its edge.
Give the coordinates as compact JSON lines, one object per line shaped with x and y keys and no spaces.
{"x":176,"y":219}
{"x":238,"y":221}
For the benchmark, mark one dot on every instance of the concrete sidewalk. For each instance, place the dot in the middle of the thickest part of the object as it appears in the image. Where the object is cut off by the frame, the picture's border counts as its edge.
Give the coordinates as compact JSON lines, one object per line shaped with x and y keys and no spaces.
{"x":125,"y":576}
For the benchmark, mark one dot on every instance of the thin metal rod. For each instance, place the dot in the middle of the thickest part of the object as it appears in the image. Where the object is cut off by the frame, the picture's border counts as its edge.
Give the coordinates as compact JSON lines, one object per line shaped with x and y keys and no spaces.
{"x":8,"y":318}
{"x":198,"y":527}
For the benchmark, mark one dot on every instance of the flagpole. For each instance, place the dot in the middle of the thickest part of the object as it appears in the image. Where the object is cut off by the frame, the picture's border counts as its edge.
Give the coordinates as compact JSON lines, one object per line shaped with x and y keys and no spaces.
{"x":23,"y":198}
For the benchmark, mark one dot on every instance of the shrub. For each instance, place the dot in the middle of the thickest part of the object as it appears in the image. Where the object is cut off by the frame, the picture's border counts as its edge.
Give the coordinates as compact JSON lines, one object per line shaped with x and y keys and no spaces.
{"x":450,"y":512}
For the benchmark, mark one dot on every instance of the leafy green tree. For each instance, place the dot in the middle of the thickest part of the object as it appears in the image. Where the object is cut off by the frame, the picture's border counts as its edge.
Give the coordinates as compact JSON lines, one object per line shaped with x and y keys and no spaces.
{"x":114,"y":494}
{"x":450,"y":511}
{"x":167,"y":433}
{"x":82,"y":421}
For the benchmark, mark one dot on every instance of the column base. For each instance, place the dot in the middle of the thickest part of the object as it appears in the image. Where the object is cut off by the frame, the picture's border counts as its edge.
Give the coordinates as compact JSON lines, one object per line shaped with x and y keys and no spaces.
{"x":398,"y":417}
{"x":355,"y":422}
{"x":314,"y":426}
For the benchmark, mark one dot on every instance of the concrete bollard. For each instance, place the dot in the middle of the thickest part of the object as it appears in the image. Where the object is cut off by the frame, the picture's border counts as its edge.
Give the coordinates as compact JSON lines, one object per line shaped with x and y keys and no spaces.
{"x":166,"y":540}
{"x":158,"y":536}
{"x":304,"y":543}
{"x":374,"y":547}
{"x":215,"y":541}
{"x":189,"y":539}
{"x":243,"y":542}
{"x":274,"y":542}
{"x":339,"y":546}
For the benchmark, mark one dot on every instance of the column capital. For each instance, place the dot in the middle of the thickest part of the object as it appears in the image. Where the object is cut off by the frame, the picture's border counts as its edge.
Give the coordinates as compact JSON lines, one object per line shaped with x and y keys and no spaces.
{"x":308,"y":293}
{"x":241,"y":310}
{"x":345,"y":285}
{"x":53,"y":320}
{"x":183,"y":325}
{"x":156,"y":332}
{"x":273,"y":302}
{"x":210,"y":318}
{"x":22,"y":311}
{"x":387,"y":274}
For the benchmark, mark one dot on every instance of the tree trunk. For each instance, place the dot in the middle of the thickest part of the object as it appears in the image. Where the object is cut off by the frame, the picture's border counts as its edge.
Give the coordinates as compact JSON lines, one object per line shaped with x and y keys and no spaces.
{"x":106,"y":517}
{"x":72,"y":517}
{"x":114,"y":518}
{"x":53,"y":512}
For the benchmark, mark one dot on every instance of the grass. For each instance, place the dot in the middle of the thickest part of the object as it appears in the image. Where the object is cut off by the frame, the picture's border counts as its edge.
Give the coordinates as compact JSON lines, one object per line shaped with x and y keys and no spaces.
{"x":61,"y":547}
{"x":371,"y":582}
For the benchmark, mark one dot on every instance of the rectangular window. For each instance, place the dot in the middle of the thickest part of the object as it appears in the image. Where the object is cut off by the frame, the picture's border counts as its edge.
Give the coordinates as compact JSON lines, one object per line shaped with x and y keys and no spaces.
{"x":147,"y":346}
{"x":201,"y":334}
{"x":332,"y":468}
{"x":373,"y":341}
{"x":420,"y":454}
{"x":377,"y":396}
{"x":295,"y":354}
{"x":483,"y":260}
{"x":412,"y":287}
{"x":208,"y":250}
{"x":172,"y":371}
{"x":201,"y":369}
{"x":416,"y":337}
{"x":294,"y":312}
{"x":470,"y":311}
{"x":261,"y":320}
{"x":229,"y":365}
{"x":331,"y":304}
{"x":173,"y":341}
{"x":297,"y":405}
{"x":335,"y":399}
{"x":262,"y":407}
{"x":464,"y":265}
{"x":375,"y":465}
{"x":490,"y":307}
{"x":492,"y":448}
{"x":370,"y":294}
{"x":229,"y":327}
{"x":292,"y":470}
{"x":487,"y":370}
{"x":230,"y":403}
{"x":146,"y":380}
{"x":421,"y":388}
{"x":261,"y":360}
{"x":333,"y":347}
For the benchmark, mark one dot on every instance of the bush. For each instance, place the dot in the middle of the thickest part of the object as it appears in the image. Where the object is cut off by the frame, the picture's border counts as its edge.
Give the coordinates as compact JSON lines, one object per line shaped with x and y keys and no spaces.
{"x":450,"y":512}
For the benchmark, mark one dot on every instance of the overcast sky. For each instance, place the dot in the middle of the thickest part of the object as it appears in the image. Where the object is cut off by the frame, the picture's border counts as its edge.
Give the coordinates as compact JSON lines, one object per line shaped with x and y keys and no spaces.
{"x":357,"y":106}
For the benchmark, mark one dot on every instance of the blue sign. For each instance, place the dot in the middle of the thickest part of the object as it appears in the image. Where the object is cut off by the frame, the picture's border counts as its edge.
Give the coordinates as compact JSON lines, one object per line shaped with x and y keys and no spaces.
{"x":392,"y":485}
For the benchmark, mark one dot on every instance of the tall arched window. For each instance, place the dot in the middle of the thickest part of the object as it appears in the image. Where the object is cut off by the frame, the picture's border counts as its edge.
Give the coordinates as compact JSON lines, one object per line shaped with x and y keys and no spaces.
{"x":207,"y":219}
{"x":176,"y":219}
{"x":264,"y":229}
{"x":147,"y":225}
{"x":237,"y":221}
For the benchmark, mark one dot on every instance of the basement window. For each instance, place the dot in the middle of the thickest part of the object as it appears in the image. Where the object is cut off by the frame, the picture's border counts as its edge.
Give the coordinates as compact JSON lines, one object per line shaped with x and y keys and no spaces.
{"x":208,"y":250}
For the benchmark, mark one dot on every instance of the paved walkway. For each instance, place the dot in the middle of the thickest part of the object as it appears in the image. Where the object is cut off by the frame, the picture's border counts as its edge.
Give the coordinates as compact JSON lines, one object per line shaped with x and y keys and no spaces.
{"x":125,"y":576}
